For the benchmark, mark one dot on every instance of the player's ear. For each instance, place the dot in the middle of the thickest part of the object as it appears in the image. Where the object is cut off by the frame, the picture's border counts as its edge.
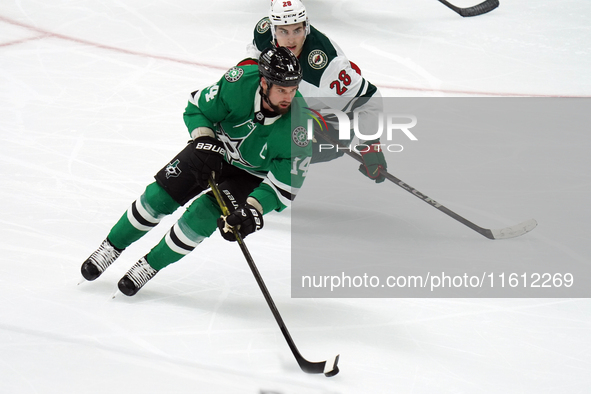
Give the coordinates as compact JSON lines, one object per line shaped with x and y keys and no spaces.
{"x":264,"y":84}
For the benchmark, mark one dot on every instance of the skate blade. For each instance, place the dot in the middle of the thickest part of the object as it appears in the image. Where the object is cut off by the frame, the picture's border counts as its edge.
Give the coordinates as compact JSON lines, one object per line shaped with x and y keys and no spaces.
{"x":116,"y":293}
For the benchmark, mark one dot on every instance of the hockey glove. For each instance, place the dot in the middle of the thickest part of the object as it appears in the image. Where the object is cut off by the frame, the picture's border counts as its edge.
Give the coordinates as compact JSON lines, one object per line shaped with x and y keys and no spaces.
{"x":246,"y":219}
{"x":208,"y":159}
{"x":373,"y":160}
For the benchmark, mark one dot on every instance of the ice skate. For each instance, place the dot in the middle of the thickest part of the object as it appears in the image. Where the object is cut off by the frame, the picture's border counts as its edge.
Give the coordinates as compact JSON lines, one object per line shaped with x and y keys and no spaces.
{"x":99,"y":260}
{"x":137,"y":276}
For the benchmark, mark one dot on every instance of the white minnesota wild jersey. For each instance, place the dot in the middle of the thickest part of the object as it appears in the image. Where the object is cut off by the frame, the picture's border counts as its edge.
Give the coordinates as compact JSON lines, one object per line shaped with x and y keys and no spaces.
{"x":327,"y":73}
{"x":275,"y":149}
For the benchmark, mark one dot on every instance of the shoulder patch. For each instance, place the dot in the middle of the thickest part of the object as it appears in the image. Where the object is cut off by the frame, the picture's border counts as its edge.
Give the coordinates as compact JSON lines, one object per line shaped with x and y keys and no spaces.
{"x":300,"y":136}
{"x":234,"y":74}
{"x":263,"y":25}
{"x":317,"y":59}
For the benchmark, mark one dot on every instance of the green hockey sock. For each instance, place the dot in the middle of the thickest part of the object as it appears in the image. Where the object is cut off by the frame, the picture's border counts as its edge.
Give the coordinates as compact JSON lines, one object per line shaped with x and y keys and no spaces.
{"x":143,"y":215}
{"x":197,"y":223}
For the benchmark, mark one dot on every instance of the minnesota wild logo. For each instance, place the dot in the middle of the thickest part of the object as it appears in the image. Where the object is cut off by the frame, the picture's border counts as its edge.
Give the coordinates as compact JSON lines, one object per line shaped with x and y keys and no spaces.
{"x":172,"y":170}
{"x":263,"y":25}
{"x":234,"y":74}
{"x":317,"y":59}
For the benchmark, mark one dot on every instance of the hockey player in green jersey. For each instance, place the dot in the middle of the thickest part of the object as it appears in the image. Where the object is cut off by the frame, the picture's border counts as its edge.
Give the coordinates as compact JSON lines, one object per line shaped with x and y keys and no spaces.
{"x":249,"y":133}
{"x":330,"y":80}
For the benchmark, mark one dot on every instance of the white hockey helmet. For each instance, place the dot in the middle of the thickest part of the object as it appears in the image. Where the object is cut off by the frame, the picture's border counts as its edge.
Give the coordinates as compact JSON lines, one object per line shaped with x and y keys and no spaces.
{"x":288,"y":13}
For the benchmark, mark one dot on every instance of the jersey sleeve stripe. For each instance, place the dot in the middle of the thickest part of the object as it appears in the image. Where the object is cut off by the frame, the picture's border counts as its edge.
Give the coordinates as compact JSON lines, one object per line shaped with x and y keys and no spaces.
{"x":284,"y":192}
{"x":362,"y":97}
{"x":370,"y":90}
{"x":284,"y":197}
{"x":194,"y":97}
{"x":362,"y":89}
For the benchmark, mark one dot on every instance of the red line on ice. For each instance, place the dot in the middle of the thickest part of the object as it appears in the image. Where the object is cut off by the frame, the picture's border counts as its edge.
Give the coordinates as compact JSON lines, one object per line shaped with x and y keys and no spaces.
{"x":16,"y":42}
{"x":46,"y":33}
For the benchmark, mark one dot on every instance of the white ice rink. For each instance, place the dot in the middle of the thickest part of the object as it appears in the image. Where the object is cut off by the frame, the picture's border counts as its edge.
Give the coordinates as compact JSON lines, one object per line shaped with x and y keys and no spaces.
{"x":91,"y":101}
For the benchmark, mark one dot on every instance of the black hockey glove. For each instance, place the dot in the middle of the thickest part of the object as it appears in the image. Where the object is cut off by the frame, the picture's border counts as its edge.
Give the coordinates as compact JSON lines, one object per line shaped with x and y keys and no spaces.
{"x":246,"y":219}
{"x":208,"y":158}
{"x":373,"y":160}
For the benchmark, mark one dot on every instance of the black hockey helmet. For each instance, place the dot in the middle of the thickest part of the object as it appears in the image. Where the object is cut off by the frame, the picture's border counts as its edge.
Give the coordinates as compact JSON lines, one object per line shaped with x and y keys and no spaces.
{"x":278,"y":65}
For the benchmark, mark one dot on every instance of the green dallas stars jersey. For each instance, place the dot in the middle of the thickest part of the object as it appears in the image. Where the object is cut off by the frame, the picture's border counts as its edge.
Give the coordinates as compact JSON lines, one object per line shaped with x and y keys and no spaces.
{"x":275,"y":149}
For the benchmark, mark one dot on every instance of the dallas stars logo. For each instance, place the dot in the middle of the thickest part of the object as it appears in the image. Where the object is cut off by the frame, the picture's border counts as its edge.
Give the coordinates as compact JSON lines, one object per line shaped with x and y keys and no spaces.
{"x":172,"y":170}
{"x":234,"y":74}
{"x":300,"y":136}
{"x":232,"y":145}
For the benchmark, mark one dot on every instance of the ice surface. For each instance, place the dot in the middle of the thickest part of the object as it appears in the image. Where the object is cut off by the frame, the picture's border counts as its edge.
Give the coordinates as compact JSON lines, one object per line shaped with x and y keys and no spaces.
{"x":92,"y":95}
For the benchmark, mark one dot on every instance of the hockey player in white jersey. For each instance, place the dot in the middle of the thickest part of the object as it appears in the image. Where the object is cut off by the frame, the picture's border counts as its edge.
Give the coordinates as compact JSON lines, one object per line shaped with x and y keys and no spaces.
{"x":329,"y":80}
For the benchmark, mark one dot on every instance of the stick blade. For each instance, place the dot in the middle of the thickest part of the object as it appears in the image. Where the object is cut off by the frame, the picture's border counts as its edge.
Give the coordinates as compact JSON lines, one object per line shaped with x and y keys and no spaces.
{"x":514,"y":231}
{"x":479,"y":9}
{"x":328,"y":368}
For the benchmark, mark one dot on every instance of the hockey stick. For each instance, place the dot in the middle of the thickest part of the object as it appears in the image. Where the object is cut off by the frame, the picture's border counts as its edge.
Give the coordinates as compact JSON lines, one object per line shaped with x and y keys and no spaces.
{"x":478,"y":9}
{"x":329,"y":367}
{"x":503,"y":233}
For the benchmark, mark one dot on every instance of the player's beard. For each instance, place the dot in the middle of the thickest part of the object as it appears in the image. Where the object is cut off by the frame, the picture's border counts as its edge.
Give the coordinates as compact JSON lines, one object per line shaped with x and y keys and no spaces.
{"x":275,"y":107}
{"x":279,"y":110}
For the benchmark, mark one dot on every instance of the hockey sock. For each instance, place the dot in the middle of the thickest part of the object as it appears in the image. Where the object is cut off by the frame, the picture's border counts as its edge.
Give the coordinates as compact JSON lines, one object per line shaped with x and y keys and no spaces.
{"x":142,"y":216}
{"x":197,"y":223}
